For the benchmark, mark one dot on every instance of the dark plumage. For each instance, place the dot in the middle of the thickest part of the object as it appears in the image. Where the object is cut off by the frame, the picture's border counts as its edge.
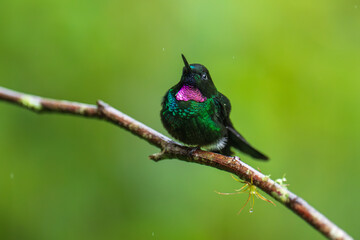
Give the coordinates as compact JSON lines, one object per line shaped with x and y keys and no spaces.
{"x":194,"y":112}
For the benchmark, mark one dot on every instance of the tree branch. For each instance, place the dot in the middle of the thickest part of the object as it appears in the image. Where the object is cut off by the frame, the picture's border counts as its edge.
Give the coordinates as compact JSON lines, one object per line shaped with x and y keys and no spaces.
{"x":173,"y":150}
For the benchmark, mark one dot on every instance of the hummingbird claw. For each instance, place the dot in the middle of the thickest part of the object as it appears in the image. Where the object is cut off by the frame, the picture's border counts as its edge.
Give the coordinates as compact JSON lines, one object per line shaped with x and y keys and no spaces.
{"x":192,"y":150}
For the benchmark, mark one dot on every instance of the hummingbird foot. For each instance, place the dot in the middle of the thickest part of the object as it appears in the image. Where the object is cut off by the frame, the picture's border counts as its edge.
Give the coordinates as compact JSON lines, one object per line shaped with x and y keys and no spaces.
{"x":192,"y":150}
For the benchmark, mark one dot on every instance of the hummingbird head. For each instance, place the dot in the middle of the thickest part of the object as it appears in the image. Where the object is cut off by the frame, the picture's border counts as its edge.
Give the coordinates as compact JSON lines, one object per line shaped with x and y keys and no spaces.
{"x":196,"y":76}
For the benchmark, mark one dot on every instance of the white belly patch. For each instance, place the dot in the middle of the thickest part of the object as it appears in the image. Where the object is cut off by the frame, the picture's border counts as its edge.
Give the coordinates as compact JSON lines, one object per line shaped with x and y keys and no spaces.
{"x":218,"y":145}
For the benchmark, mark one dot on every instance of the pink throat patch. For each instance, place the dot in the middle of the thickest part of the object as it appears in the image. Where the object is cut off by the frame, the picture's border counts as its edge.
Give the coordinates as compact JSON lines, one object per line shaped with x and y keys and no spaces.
{"x":187,"y":93}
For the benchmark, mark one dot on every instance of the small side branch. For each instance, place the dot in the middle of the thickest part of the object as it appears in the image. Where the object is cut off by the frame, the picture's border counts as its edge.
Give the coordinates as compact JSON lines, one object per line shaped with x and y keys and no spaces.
{"x":173,"y":150}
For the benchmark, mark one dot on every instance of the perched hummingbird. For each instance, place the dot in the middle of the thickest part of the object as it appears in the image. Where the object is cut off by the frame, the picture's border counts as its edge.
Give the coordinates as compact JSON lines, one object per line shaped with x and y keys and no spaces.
{"x":194,"y":112}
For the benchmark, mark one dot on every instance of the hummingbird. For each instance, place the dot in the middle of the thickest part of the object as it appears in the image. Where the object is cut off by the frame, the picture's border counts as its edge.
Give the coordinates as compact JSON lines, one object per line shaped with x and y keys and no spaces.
{"x":197,"y":114}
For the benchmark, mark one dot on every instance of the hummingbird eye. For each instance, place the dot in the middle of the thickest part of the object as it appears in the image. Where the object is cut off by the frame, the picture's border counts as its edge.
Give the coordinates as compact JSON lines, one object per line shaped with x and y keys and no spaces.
{"x":204,"y":76}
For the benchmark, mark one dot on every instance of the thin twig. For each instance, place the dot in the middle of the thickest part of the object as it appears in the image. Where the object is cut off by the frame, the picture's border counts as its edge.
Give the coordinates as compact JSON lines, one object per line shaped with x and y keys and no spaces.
{"x":173,"y":150}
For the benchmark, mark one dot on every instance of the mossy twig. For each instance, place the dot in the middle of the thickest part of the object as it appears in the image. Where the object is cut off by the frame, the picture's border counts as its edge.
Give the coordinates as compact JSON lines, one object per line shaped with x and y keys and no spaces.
{"x":173,"y":150}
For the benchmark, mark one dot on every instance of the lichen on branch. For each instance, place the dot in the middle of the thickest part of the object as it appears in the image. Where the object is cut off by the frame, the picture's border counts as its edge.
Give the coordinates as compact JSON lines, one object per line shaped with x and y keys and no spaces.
{"x":174,"y":150}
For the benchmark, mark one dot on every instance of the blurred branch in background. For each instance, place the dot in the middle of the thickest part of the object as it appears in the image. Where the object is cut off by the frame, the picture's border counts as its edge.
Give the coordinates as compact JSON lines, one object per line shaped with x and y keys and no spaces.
{"x":173,"y":150}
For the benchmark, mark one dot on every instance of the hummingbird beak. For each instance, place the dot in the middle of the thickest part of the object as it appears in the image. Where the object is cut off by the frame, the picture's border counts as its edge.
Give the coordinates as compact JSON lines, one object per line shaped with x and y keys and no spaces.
{"x":187,"y":66}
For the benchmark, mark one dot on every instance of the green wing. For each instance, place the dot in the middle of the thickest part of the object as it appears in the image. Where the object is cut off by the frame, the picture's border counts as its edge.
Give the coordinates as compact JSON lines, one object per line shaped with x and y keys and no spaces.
{"x":235,"y":138}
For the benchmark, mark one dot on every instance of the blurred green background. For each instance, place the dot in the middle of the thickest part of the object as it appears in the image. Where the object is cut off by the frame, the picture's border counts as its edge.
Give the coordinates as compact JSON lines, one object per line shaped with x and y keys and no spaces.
{"x":290,"y":69}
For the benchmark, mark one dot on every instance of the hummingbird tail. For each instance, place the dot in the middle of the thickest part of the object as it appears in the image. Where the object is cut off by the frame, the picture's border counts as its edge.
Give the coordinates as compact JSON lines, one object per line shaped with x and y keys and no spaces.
{"x":239,"y":142}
